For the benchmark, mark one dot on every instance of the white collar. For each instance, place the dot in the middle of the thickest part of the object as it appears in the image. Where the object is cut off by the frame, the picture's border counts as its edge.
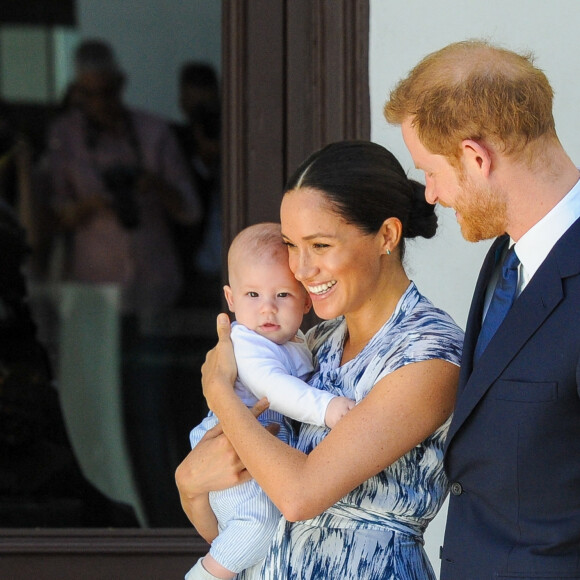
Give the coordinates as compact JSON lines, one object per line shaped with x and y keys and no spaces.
{"x":534,"y":246}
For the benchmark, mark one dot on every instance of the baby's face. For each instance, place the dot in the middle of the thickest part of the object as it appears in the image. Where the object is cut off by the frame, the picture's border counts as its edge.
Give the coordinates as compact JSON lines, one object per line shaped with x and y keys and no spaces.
{"x":267,"y":299}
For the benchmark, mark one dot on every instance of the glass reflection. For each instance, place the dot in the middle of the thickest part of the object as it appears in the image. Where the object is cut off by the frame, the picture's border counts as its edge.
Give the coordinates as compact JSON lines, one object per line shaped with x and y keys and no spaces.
{"x":110,"y":232}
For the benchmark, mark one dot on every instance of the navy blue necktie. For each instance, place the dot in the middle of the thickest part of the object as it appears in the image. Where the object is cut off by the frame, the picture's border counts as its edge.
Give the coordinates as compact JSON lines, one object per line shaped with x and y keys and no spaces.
{"x":501,"y":301}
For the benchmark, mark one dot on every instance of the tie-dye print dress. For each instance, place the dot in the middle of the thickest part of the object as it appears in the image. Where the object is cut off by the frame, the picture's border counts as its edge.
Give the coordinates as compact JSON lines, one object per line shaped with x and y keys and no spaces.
{"x":376,"y":531}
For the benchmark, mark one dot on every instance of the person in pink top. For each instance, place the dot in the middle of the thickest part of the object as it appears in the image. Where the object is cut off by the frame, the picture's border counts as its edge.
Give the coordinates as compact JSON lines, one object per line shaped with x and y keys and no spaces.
{"x":117,"y":175}
{"x":117,"y":181}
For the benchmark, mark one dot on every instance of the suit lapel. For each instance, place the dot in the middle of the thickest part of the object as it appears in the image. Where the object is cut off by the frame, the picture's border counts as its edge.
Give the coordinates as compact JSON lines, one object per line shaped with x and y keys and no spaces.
{"x":543,"y":293}
{"x":476,"y":309}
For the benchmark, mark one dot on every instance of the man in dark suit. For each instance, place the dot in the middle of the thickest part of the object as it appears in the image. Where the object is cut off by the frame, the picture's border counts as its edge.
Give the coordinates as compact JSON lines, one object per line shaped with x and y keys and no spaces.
{"x":477,"y":119}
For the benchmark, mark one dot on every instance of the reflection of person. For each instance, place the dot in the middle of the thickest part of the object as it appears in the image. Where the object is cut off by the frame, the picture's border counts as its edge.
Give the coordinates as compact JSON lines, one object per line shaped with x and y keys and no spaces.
{"x":357,"y":499}
{"x":199,"y":244}
{"x":117,"y":175}
{"x":19,"y":184}
{"x":272,"y":358}
{"x":478,"y":121}
{"x":42,"y":484}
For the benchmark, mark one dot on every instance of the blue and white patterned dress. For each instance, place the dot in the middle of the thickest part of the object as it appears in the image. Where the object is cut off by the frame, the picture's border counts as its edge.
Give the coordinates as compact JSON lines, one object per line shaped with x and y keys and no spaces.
{"x":376,"y":531}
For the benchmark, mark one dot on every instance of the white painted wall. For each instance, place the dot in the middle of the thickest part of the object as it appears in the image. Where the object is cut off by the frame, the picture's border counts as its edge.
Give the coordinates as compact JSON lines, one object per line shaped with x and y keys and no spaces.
{"x":401,"y":33}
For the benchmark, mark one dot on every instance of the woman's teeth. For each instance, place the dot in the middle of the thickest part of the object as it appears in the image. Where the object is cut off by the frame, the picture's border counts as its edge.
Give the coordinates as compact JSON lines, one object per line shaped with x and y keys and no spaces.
{"x":322,"y":288}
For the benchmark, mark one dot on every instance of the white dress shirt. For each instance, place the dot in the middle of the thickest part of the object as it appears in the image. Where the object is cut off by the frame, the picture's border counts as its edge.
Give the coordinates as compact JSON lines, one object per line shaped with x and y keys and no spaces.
{"x":535,"y":245}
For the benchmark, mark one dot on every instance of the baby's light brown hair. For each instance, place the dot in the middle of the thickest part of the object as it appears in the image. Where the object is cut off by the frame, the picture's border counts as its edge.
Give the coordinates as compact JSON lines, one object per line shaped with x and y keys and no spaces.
{"x":261,"y":242}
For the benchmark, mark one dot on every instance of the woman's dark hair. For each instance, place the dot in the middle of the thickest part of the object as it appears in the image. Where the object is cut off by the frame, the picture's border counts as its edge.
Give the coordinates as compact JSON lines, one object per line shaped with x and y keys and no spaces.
{"x":366,"y":185}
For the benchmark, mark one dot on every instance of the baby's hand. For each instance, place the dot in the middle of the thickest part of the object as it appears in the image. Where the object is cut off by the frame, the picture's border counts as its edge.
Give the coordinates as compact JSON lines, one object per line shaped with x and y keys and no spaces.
{"x":336,"y":410}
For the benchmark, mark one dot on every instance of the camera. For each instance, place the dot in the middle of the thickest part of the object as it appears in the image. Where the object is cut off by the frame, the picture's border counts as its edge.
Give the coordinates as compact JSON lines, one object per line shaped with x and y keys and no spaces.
{"x":120,"y":180}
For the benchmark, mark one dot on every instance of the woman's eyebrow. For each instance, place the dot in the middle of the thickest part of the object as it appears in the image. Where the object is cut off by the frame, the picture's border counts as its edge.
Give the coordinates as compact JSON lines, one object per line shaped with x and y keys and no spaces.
{"x":313,"y":236}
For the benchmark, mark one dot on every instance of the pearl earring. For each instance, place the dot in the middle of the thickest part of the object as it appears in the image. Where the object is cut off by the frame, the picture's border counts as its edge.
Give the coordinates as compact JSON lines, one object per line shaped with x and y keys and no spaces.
{"x":388,"y":252}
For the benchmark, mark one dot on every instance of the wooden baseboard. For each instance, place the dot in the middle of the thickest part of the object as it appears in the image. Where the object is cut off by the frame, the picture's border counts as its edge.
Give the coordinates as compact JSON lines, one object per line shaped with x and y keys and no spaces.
{"x":99,"y":554}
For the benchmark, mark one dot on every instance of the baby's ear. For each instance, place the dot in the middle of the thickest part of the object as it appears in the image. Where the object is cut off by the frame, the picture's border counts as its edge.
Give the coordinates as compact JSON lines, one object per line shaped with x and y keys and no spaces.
{"x":229,"y":297}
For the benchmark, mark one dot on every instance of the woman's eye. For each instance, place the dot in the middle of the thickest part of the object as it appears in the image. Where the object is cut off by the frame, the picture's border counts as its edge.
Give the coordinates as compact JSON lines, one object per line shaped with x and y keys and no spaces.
{"x":320,"y":246}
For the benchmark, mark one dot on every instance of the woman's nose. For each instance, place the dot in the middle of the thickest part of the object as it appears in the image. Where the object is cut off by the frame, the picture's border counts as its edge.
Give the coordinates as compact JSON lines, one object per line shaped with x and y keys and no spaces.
{"x":302,"y":267}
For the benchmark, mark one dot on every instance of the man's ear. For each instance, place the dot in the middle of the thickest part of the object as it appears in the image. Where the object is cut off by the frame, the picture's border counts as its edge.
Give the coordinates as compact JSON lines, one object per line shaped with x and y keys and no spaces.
{"x":476,"y":156}
{"x":228,"y":293}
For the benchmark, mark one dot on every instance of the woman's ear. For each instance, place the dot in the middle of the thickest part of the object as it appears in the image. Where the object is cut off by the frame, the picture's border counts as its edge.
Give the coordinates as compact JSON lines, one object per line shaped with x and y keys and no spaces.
{"x":307,"y":304}
{"x":390,"y":234}
{"x":228,"y":293}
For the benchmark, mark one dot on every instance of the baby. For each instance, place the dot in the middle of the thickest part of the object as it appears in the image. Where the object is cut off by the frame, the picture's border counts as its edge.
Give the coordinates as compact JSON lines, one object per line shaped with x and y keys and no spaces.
{"x":273,"y":361}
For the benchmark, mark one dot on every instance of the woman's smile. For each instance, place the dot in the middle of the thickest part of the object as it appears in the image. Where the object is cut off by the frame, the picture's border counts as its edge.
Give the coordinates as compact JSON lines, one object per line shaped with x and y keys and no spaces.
{"x":320,"y":289}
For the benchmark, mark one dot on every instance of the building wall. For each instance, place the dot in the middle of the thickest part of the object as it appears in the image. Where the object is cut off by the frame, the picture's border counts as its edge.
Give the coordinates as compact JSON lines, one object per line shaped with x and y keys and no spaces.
{"x":401,"y":33}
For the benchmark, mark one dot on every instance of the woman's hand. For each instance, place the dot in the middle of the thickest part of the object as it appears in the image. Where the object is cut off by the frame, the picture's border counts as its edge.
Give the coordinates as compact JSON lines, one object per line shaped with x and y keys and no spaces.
{"x":219,"y":370}
{"x":212,"y":465}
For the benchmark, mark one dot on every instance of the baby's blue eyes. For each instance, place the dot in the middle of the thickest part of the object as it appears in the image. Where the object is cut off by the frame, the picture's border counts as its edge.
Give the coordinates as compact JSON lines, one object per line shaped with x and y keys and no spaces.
{"x":279,"y":295}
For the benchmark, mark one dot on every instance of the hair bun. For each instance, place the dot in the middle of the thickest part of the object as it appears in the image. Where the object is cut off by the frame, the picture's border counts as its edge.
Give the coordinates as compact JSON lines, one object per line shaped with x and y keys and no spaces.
{"x":422,"y":218}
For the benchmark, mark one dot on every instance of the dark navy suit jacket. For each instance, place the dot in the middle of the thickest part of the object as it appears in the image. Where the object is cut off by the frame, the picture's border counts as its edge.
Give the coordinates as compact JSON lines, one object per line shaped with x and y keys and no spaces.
{"x":513,"y":448}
